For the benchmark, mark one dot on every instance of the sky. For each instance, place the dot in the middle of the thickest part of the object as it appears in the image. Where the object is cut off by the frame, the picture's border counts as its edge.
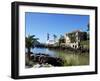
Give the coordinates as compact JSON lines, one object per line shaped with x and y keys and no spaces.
{"x":39,"y":24}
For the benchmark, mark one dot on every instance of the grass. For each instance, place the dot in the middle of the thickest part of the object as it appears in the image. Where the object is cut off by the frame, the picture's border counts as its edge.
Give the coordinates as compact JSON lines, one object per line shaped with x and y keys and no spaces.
{"x":72,"y":59}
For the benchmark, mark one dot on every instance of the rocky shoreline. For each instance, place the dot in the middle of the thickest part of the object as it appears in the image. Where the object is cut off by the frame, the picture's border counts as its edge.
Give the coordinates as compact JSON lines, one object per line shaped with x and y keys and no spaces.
{"x":44,"y":60}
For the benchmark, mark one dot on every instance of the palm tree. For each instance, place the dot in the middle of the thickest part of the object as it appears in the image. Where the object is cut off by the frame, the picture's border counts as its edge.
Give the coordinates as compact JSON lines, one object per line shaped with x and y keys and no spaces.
{"x":54,"y":37}
{"x":48,"y":36}
{"x":30,"y":42}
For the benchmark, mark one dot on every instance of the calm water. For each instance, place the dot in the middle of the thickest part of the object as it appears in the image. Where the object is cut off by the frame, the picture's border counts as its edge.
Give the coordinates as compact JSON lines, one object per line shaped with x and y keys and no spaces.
{"x":45,"y":51}
{"x":70,"y":57}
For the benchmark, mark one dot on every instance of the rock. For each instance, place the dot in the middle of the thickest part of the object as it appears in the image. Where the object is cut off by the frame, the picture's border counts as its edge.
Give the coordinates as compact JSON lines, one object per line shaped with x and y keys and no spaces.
{"x":37,"y":66}
{"x":44,"y":58}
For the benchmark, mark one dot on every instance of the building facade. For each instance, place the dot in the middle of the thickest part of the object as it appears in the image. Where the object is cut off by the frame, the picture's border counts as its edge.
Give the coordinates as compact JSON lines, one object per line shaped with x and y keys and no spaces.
{"x":73,"y":39}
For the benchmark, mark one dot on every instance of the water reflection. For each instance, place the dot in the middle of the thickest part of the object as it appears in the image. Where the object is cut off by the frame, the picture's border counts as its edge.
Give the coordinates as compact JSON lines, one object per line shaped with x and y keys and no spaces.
{"x":44,"y":51}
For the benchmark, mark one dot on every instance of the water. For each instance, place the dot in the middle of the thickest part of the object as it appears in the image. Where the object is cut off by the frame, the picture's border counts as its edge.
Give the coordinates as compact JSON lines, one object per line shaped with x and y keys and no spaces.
{"x":71,"y":58}
{"x":44,"y":51}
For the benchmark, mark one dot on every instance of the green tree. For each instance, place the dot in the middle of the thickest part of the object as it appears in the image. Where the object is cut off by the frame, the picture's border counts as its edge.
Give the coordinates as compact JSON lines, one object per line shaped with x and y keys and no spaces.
{"x":72,"y":37}
{"x":88,"y":28}
{"x":48,"y":36}
{"x":54,"y":36}
{"x":61,"y":39}
{"x":30,"y":42}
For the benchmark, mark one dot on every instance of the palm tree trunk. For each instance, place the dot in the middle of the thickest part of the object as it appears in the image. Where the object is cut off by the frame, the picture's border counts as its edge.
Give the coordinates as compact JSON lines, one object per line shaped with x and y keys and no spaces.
{"x":29,"y":53}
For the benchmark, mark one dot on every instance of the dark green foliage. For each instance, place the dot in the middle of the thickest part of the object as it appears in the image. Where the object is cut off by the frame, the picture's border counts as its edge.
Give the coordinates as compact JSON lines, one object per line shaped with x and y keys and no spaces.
{"x":61,"y":39}
{"x":84,"y":36}
{"x":30,"y":42}
{"x":85,"y":43}
{"x":48,"y":36}
{"x":88,"y":27}
{"x":81,"y":36}
{"x":72,"y":37}
{"x":54,"y":36}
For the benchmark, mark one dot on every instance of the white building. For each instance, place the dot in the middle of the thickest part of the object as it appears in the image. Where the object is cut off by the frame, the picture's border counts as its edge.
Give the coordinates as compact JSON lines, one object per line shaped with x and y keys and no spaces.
{"x":50,"y":42}
{"x":77,"y":38}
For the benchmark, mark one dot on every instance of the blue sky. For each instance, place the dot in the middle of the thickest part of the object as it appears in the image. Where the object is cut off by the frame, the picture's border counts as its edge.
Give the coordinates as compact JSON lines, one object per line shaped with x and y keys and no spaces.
{"x":39,"y":24}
